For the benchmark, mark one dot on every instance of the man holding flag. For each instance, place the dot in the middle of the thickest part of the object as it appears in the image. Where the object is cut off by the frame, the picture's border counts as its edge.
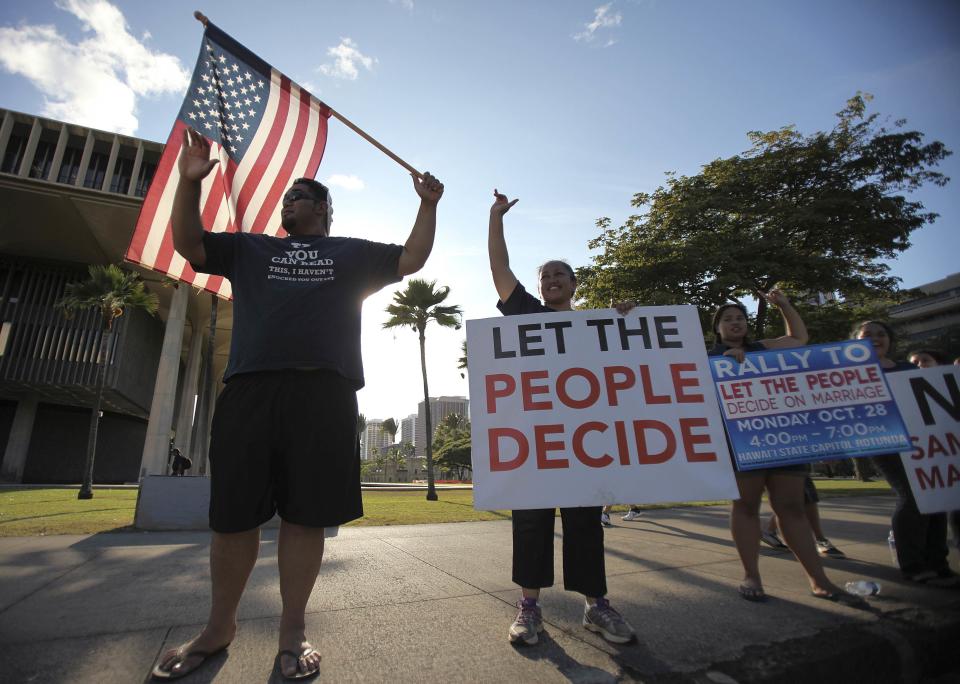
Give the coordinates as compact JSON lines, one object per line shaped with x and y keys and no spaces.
{"x":284,"y":435}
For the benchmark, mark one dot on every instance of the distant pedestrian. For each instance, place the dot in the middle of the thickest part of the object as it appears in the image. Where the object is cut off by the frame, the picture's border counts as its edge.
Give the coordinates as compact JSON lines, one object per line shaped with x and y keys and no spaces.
{"x":181,"y":463}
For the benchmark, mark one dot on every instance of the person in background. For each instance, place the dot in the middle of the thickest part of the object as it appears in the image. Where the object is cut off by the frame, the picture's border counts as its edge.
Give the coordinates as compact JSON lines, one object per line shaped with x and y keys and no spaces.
{"x":921,"y":540}
{"x":811,"y":508}
{"x":928,"y":358}
{"x":180,"y":463}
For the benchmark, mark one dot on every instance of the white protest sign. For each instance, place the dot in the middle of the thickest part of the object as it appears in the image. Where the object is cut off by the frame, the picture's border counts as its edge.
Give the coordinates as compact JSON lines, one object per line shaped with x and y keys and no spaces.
{"x":585,"y":408}
{"x":929,"y":401}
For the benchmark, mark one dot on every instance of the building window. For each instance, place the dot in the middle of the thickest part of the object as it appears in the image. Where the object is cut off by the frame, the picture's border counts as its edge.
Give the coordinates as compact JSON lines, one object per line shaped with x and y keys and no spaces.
{"x":70,"y":166}
{"x":15,"y":148}
{"x":97,"y":171}
{"x":121,"y":175}
{"x":43,"y":157}
{"x":147,"y":169}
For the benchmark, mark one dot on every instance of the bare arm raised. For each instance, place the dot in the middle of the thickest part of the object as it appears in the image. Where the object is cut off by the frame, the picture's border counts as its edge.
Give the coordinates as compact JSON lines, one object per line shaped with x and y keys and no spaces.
{"x":194,"y":165}
{"x":503,"y":278}
{"x":797,"y":335}
{"x":420,"y":243}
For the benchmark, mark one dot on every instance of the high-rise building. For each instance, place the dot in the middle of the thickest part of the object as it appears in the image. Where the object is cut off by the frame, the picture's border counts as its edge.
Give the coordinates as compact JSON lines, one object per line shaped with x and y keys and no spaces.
{"x":440,"y":408}
{"x":408,"y":429}
{"x":373,"y":437}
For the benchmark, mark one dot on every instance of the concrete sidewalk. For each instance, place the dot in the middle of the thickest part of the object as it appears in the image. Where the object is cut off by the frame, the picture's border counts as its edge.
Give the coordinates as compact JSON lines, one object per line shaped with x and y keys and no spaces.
{"x":432,"y":603}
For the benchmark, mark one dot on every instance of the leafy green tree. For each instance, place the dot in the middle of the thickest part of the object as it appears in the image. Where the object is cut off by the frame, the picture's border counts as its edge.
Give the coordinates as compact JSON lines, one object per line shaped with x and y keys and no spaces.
{"x":394,"y":458}
{"x":452,"y":444}
{"x":813,"y":213}
{"x":414,"y":307}
{"x":111,"y":290}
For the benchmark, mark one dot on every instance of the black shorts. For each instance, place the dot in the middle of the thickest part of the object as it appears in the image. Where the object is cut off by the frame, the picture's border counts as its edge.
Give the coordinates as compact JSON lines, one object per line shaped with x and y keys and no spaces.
{"x":285,"y":442}
{"x":810,"y":492}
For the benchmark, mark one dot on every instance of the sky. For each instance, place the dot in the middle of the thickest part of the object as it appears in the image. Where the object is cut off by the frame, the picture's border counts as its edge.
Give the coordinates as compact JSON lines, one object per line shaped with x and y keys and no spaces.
{"x":571,"y":106}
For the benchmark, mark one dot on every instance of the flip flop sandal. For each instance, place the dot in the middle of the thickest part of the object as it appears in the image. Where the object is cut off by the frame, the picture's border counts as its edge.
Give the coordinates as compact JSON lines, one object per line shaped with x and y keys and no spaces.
{"x":297,"y":657}
{"x":752,"y":593}
{"x":179,"y":657}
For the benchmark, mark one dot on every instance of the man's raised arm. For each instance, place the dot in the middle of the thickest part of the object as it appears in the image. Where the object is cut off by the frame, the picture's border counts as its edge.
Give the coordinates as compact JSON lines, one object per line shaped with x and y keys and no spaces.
{"x":194,"y":165}
{"x":503,"y":278}
{"x":420,"y":242}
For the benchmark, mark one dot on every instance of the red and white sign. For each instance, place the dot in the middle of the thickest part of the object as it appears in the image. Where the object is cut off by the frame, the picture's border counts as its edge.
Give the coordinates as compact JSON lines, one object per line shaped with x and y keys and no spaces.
{"x":929,"y":401}
{"x":585,"y":408}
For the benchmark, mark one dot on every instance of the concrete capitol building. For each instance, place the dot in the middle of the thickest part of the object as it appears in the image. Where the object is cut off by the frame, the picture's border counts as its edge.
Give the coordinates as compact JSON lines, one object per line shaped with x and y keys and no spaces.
{"x":70,"y":197}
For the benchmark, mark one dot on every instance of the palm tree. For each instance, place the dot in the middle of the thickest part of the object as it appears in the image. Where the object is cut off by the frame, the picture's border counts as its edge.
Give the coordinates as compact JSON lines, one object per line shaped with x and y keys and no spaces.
{"x":414,"y":307}
{"x":112,"y":290}
{"x":462,"y":361}
{"x":390,"y":427}
{"x":361,"y":424}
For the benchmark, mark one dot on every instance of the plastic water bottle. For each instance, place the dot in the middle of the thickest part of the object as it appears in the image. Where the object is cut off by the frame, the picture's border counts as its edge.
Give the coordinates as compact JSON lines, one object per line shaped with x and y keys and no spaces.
{"x":892,"y":543}
{"x":863,"y":588}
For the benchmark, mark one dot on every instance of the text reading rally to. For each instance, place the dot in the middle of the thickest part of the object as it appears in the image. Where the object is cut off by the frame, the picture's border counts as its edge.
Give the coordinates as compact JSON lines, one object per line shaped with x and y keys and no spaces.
{"x":929,"y":400}
{"x":583,"y":408}
{"x":807,"y":404}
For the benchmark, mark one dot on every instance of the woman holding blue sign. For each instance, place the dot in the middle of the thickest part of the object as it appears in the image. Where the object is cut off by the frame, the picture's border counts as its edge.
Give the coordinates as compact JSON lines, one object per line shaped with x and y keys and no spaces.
{"x":921,"y":540}
{"x":785,"y":483}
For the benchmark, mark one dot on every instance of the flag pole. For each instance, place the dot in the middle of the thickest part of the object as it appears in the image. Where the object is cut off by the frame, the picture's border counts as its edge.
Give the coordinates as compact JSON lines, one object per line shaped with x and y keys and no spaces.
{"x":202,"y":18}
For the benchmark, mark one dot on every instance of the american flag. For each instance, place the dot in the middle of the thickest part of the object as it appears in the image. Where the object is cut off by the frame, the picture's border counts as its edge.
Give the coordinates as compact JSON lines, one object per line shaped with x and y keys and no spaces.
{"x":265,"y":129}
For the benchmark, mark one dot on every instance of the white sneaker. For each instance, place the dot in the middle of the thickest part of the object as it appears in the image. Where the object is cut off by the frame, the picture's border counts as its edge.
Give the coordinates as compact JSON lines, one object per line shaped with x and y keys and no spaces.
{"x":605,"y":520}
{"x":632,"y":515}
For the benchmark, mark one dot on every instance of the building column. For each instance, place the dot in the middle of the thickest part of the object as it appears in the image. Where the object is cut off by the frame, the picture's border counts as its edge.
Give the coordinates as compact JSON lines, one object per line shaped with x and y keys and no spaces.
{"x":18,"y":444}
{"x":188,"y":393}
{"x":156,"y":446}
{"x":30,"y":149}
{"x":58,"y":154}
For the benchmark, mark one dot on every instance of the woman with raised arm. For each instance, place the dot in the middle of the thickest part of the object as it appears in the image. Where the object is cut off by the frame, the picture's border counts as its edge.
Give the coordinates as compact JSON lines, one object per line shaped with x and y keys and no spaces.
{"x":583,"y":562}
{"x":785,"y":483}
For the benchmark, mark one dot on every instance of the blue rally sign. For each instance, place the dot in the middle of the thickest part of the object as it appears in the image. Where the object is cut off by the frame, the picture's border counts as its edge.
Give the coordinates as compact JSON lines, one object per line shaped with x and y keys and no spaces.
{"x":812,"y":403}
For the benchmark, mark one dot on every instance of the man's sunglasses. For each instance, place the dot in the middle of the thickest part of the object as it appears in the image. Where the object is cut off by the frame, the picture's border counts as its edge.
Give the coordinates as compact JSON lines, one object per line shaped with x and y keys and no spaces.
{"x":297,"y":195}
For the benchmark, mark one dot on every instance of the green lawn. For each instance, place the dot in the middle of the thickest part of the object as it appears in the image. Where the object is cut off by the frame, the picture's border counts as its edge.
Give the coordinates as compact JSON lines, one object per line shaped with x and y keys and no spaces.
{"x":28,"y":512}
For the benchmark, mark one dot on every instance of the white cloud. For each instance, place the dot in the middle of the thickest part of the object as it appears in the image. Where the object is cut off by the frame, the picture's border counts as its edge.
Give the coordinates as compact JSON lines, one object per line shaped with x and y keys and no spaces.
{"x":95,"y":82}
{"x":310,"y":87}
{"x":352,"y":183}
{"x":603,"y":18}
{"x":405,"y":4}
{"x":347,"y":59}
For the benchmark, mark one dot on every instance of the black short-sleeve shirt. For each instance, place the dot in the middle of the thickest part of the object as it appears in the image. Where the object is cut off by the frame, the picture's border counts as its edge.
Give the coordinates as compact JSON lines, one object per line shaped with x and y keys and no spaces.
{"x":297,"y":300}
{"x":521,"y":302}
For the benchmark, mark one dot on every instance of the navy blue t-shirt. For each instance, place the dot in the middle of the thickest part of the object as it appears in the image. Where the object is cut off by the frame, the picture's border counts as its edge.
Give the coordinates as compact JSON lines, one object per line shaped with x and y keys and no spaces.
{"x":521,"y":302}
{"x":297,"y":300}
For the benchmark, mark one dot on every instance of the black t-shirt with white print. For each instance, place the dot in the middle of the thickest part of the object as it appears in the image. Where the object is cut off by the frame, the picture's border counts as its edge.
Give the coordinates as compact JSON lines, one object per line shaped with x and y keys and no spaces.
{"x":297,"y":300}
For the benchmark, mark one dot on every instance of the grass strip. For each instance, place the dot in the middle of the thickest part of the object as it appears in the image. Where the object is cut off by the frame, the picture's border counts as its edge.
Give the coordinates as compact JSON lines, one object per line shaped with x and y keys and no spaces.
{"x":41,"y":511}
